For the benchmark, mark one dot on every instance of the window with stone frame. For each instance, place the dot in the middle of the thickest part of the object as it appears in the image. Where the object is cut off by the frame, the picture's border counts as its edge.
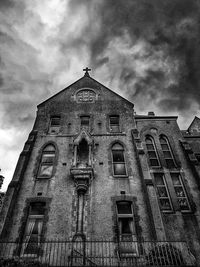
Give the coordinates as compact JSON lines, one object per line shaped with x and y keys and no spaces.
{"x":125,"y":220}
{"x":54,"y":126}
{"x":118,"y":160}
{"x":33,"y":230}
{"x":152,"y":152}
{"x":197,"y":155}
{"x":180,"y":192}
{"x":47,"y":162}
{"x":167,"y":152}
{"x":162,"y":192}
{"x":85,"y":122}
{"x":114,"y":123}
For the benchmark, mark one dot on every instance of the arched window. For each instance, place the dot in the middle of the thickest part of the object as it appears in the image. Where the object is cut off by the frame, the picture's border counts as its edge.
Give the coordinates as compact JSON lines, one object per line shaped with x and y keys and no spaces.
{"x":152,"y":153}
{"x":168,"y":156}
{"x":119,"y":167}
{"x":47,"y":161}
{"x":83,"y":153}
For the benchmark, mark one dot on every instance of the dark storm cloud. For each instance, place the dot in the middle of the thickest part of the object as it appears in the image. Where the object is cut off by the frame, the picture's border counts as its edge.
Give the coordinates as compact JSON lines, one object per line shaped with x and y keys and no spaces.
{"x":146,"y":50}
{"x":6,"y":4}
{"x":171,"y":27}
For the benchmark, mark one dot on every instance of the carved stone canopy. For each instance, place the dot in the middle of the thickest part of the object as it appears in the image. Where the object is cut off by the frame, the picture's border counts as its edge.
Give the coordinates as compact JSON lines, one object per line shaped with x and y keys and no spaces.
{"x":83,"y":135}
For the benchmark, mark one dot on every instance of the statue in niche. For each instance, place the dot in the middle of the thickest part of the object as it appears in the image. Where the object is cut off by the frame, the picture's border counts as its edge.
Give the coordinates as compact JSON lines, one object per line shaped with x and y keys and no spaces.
{"x":83,"y":153}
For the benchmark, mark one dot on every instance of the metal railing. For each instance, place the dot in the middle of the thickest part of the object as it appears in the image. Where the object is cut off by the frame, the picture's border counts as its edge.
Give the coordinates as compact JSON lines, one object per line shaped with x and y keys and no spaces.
{"x":100,"y":253}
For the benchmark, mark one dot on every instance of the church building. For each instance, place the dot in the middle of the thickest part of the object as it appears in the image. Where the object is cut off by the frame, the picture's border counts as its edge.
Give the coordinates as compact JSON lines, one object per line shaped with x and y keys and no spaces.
{"x":99,"y":185}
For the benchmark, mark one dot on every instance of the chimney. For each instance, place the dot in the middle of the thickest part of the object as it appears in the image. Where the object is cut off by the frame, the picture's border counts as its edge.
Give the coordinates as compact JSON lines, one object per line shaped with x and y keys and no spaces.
{"x":151,"y":113}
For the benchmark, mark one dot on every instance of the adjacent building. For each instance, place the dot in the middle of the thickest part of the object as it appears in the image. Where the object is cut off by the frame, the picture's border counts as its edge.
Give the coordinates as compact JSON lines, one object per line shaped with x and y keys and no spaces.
{"x":99,"y":185}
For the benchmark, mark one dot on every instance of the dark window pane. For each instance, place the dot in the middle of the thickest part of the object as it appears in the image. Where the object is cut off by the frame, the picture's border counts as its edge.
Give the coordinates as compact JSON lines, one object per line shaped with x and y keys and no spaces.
{"x":170,"y":163}
{"x":85,"y":120}
{"x":148,"y":141}
{"x":118,"y":156}
{"x":179,"y":191}
{"x":150,"y":147}
{"x":164,"y":147}
{"x":163,"y":140}
{"x":119,"y":169}
{"x":162,"y":192}
{"x":48,"y":158}
{"x":154,"y":162}
{"x":167,"y":154}
{"x":165,"y":204}
{"x":198,"y":157}
{"x":114,"y":120}
{"x":114,"y":124}
{"x":37,"y":208}
{"x":153,"y":157}
{"x":152,"y":154}
{"x":183,"y":203}
{"x":124,"y":207}
{"x":175,"y":179}
{"x":55,"y":121}
{"x":125,"y":226}
{"x":159,"y":179}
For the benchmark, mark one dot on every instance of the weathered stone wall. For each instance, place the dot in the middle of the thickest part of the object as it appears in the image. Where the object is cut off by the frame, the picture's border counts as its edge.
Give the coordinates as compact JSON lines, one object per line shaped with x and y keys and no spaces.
{"x":100,"y":209}
{"x":59,"y":192}
{"x":177,"y":225}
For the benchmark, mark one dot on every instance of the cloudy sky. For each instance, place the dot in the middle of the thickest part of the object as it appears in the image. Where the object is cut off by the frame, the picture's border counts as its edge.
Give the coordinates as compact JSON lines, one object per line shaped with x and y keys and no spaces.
{"x":146,"y":50}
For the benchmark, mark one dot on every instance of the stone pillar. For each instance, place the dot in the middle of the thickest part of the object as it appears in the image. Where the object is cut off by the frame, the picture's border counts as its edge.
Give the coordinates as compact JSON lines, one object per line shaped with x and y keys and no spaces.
{"x":157,"y":216}
{"x":75,"y":155}
{"x":80,"y":214}
{"x":90,"y":155}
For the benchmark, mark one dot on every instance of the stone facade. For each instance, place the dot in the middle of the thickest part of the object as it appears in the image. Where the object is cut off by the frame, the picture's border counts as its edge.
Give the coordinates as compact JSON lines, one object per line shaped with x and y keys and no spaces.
{"x":88,"y":154}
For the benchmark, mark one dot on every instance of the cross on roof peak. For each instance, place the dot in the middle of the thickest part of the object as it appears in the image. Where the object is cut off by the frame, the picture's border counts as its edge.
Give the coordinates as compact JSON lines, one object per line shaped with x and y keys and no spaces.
{"x":87,"y":71}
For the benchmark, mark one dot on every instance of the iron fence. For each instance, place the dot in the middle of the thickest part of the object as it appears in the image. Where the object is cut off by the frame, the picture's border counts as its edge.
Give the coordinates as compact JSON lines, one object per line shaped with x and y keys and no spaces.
{"x":100,"y":253}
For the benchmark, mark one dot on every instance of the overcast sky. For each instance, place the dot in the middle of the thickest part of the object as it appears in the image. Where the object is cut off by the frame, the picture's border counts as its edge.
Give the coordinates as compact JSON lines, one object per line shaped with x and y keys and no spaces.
{"x":146,"y":50}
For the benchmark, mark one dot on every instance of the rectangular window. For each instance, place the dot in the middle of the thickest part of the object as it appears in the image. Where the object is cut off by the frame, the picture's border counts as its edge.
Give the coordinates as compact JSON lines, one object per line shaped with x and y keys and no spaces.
{"x":126,"y":226}
{"x":33,"y":230}
{"x":55,"y":121}
{"x":180,"y":192}
{"x":85,"y":122}
{"x":125,"y":220}
{"x":114,"y":124}
{"x":54,"y":124}
{"x":162,"y":192}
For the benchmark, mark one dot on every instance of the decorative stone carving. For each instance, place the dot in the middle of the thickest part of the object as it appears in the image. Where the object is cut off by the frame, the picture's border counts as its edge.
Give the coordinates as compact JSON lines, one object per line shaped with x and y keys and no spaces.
{"x":82,"y":173}
{"x":86,"y":95}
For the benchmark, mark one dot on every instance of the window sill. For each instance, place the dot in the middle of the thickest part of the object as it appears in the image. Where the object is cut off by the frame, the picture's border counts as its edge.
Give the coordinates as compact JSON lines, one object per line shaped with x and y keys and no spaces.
{"x":186,"y":211}
{"x":53,"y":134}
{"x":168,"y":211}
{"x":115,"y":131}
{"x":43,"y":177}
{"x":155,"y":167}
{"x":120,"y":176}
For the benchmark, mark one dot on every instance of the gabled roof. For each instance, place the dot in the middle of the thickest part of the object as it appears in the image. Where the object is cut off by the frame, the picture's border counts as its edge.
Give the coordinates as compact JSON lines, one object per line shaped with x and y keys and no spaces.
{"x":194,"y":120}
{"x":82,"y":78}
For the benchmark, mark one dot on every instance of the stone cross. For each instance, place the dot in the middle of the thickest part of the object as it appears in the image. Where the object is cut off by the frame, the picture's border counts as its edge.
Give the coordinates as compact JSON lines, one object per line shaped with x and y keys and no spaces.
{"x":87,"y":71}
